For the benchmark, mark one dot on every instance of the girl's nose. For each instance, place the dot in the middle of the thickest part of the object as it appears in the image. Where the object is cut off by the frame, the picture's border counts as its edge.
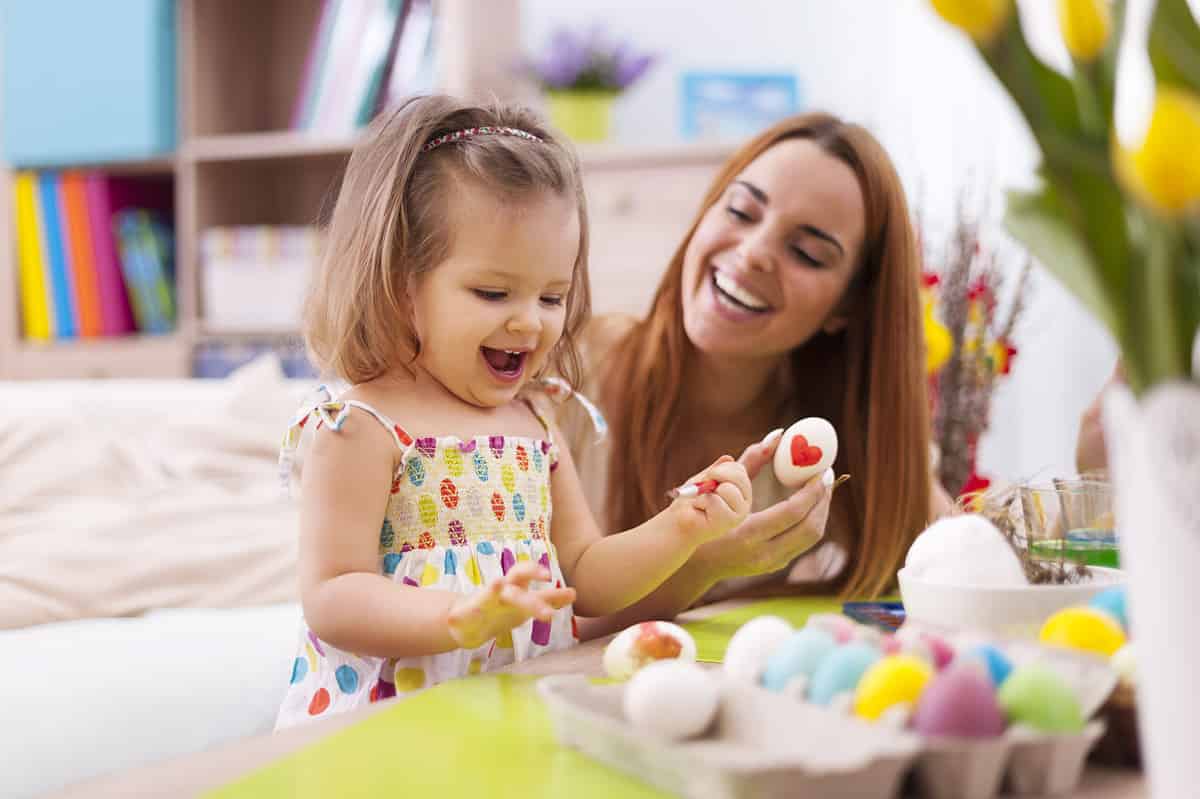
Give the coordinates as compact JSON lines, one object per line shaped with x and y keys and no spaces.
{"x":754,"y":252}
{"x":524,"y":321}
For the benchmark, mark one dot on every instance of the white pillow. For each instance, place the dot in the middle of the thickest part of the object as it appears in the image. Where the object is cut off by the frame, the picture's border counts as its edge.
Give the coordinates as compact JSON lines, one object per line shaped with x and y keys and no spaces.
{"x":87,"y":698}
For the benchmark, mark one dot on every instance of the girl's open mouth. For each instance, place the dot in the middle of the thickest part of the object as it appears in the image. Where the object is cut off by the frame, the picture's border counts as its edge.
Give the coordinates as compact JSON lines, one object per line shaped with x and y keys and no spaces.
{"x":506,"y":365}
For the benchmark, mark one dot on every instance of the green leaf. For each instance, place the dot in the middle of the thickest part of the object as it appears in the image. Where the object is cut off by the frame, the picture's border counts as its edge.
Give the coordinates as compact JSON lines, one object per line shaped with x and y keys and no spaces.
{"x":1046,"y":98}
{"x":1039,"y":222}
{"x":1175,"y":44}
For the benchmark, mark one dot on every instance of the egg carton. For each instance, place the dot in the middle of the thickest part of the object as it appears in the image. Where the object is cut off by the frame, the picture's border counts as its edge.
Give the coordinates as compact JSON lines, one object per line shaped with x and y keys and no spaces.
{"x":762,"y":746}
{"x":756,"y":748}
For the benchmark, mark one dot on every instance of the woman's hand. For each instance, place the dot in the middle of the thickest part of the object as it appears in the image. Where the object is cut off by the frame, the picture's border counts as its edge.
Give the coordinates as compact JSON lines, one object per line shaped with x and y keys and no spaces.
{"x":504,"y":604}
{"x":710,"y":516}
{"x":772,"y":538}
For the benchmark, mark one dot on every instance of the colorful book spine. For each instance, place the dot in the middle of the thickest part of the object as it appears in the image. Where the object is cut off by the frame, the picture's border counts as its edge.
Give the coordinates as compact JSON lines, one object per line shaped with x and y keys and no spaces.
{"x":66,"y":316}
{"x":36,"y":301}
{"x":115,"y":312}
{"x":144,"y":245}
{"x":74,"y":211}
{"x":314,"y":66}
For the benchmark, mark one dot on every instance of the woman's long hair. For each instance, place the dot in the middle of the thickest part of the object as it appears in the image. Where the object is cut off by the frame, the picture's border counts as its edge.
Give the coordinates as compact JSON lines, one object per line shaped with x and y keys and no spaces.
{"x":868,"y":379}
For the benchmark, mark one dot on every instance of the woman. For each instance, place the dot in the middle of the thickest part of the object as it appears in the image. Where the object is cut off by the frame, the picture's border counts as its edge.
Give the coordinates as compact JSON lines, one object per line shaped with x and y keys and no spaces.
{"x":794,"y":293}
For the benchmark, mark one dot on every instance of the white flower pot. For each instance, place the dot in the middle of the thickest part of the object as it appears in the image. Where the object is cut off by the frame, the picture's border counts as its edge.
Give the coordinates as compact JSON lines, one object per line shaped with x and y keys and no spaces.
{"x":1154,"y":454}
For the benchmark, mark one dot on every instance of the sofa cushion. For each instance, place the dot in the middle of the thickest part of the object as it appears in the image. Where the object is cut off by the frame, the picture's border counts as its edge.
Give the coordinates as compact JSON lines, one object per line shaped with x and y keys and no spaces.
{"x":124,"y":496}
{"x":98,"y":696}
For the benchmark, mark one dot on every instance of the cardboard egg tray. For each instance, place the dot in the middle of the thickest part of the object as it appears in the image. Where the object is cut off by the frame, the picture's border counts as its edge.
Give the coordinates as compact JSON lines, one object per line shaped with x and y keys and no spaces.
{"x":762,"y":745}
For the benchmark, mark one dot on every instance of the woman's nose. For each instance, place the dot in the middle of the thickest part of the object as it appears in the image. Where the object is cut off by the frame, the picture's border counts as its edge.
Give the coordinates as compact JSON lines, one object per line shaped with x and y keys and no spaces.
{"x":754,"y":252}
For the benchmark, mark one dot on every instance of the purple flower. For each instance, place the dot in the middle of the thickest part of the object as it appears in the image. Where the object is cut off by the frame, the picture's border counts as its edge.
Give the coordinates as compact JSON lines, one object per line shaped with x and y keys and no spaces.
{"x":589,"y":61}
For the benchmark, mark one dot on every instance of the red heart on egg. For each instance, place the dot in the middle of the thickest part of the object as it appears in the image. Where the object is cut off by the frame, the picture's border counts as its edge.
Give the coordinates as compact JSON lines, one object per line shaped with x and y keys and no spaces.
{"x":802,"y":453}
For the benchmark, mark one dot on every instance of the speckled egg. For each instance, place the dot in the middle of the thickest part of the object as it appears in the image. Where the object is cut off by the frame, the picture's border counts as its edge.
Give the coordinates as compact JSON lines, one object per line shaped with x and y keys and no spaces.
{"x":1112,"y":602}
{"x":1035,"y":695}
{"x":960,"y":702}
{"x":893,"y":680}
{"x":996,"y":662}
{"x":798,"y":656}
{"x":751,"y":646}
{"x":840,"y":672}
{"x":671,"y":698}
{"x":639,"y":645}
{"x":1084,"y":628}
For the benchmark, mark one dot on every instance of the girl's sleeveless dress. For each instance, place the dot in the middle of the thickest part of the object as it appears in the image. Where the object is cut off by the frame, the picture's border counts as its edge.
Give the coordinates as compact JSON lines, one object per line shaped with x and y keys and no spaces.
{"x":459,"y":515}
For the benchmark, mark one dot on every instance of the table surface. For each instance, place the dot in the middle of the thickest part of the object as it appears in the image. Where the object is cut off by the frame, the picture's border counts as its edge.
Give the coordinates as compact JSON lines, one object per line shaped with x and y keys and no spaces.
{"x":196,"y":773}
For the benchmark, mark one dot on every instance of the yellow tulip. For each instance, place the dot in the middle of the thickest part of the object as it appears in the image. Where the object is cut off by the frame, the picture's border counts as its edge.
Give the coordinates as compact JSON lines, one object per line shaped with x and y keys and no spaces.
{"x":939,"y":345}
{"x":981,"y":19}
{"x":1164,"y":170}
{"x":1086,"y":26}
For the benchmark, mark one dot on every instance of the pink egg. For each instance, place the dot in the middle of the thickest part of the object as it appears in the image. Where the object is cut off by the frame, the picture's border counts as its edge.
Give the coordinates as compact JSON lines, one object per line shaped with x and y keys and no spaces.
{"x":959,"y":702}
{"x":841,"y":628}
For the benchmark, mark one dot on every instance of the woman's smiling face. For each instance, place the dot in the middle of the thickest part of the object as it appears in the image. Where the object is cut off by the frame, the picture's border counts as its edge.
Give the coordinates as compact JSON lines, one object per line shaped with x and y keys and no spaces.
{"x":771,"y":259}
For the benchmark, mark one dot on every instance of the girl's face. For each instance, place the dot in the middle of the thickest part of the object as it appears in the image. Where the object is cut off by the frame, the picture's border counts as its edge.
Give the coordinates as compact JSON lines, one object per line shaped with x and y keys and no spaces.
{"x":489,"y":315}
{"x":771,"y":259}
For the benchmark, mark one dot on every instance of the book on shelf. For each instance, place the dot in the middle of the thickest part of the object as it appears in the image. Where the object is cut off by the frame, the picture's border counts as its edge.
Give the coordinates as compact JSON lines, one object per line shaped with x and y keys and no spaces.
{"x":72,"y":277}
{"x":145,"y":244}
{"x":363,"y":55}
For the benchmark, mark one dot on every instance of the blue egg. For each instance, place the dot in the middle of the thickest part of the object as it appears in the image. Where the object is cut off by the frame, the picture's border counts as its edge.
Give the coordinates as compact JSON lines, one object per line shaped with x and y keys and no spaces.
{"x":799,"y":654}
{"x":1112,"y":602}
{"x":840,"y":672}
{"x":996,"y":662}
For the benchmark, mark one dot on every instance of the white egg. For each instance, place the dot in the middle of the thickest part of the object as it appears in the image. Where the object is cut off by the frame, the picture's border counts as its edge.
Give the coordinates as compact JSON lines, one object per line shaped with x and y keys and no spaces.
{"x":806,"y":448}
{"x":644,"y":643}
{"x":672,"y":698}
{"x":964,"y":550}
{"x":752,"y":645}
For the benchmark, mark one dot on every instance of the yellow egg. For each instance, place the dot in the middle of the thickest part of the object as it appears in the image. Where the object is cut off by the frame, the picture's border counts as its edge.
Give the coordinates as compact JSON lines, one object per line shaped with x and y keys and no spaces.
{"x":1083,"y":628}
{"x":892,"y":680}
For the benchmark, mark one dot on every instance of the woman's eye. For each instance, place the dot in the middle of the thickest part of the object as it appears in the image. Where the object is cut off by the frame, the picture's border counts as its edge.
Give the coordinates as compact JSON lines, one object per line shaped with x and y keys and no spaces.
{"x":805,"y":257}
{"x":553,"y":299}
{"x":490,"y":296}
{"x":738,"y":214}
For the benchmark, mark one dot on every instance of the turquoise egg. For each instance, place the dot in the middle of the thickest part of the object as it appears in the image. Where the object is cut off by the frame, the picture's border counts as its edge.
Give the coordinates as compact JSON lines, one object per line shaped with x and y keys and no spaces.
{"x":840,"y":672}
{"x":802,"y":653}
{"x":1112,"y":602}
{"x":997,"y":663}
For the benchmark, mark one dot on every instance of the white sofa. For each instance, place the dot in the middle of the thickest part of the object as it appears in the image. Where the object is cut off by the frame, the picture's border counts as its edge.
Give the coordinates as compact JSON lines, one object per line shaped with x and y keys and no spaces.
{"x":147,"y":558}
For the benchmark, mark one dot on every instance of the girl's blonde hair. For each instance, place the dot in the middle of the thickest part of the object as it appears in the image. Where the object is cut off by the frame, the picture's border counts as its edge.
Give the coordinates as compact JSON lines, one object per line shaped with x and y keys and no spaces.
{"x":389,"y":226}
{"x":868,"y":380}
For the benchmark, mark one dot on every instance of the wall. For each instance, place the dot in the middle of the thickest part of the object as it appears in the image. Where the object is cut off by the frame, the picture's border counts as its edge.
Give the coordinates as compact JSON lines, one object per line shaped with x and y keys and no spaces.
{"x":893,"y":66}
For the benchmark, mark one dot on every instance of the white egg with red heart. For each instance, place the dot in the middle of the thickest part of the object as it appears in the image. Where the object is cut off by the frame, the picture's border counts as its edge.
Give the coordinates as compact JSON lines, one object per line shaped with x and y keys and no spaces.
{"x":807,"y":448}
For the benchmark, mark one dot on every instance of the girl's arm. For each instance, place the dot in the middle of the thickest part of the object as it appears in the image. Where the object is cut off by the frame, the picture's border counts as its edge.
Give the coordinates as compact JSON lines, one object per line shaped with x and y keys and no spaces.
{"x":347,"y":602}
{"x":612,"y":572}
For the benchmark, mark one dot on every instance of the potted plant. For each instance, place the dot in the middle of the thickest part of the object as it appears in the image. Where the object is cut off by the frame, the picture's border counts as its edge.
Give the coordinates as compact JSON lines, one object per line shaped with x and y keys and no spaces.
{"x":1117,"y":219}
{"x":581,"y":74}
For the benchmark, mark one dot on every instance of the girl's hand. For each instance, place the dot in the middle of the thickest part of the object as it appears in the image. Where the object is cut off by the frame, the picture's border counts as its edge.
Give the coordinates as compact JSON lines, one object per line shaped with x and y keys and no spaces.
{"x":772,"y":538}
{"x":712,"y":515}
{"x":504,"y":604}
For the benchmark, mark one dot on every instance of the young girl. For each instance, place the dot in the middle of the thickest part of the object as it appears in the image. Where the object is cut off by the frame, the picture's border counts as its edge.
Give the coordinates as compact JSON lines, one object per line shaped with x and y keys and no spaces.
{"x":456,"y":278}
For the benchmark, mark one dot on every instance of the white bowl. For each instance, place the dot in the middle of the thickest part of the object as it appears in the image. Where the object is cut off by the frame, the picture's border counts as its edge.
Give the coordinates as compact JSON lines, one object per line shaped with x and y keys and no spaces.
{"x":1006,"y":610}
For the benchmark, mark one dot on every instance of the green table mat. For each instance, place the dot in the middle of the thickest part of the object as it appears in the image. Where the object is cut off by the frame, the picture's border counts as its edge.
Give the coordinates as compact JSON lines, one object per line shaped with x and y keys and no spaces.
{"x":481,"y":736}
{"x":485,"y":736}
{"x":712,"y":634}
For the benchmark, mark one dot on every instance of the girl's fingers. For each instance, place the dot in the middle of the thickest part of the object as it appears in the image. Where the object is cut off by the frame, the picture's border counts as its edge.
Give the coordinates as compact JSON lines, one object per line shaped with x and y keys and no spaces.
{"x":524,"y":573}
{"x":557,"y":597}
{"x":734,"y":474}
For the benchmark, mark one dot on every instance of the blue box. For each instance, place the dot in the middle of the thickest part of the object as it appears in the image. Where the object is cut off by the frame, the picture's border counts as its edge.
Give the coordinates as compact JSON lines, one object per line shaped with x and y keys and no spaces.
{"x":734,"y":105}
{"x":87,"y":82}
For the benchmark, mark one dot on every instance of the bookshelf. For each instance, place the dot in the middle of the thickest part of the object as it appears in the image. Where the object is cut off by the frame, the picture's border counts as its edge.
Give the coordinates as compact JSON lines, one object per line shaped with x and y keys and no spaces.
{"x":239,"y":69}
